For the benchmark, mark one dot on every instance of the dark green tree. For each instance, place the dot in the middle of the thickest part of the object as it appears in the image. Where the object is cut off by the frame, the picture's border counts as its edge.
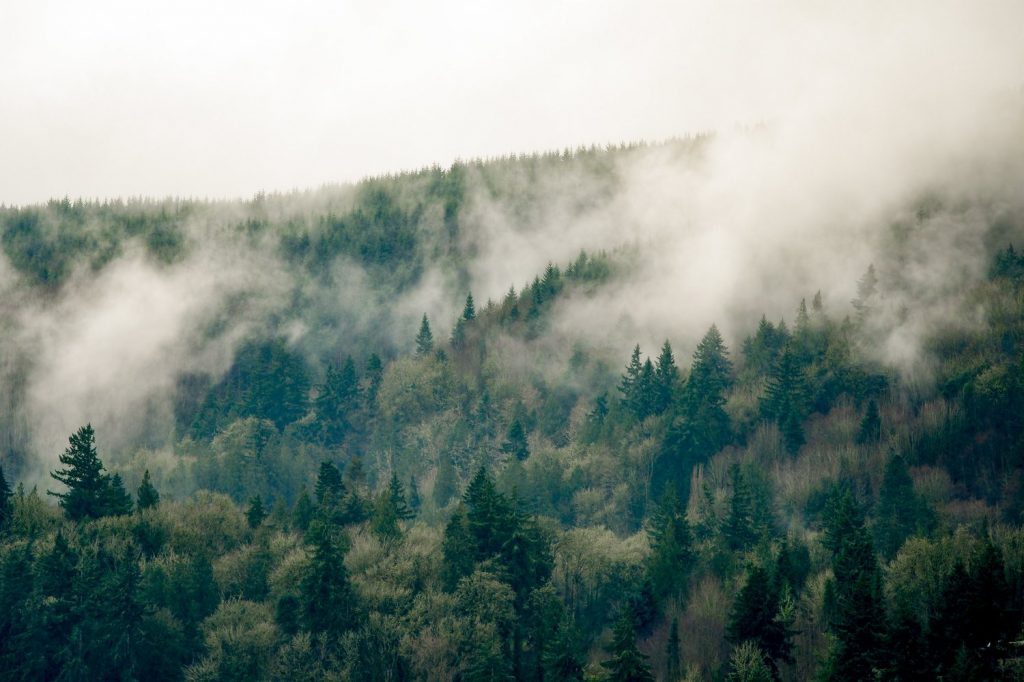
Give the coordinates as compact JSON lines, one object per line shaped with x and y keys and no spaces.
{"x":89,"y":490}
{"x":515,"y":441}
{"x":328,"y":601}
{"x":6,"y":506}
{"x":424,"y":338}
{"x":146,"y":496}
{"x":469,"y":311}
{"x":756,"y":617}
{"x":871,"y":425}
{"x":414,"y":495}
{"x":255,"y":513}
{"x":338,"y":402}
{"x":458,"y":550}
{"x":785,"y":398}
{"x":673,"y":653}
{"x":666,"y":380}
{"x":672,"y":554}
{"x":627,"y":664}
{"x":396,"y":498}
{"x":900,"y":511}
{"x":563,"y":657}
{"x":303,"y":511}
{"x":329,"y":487}
{"x":740,"y":529}
{"x":706,"y":425}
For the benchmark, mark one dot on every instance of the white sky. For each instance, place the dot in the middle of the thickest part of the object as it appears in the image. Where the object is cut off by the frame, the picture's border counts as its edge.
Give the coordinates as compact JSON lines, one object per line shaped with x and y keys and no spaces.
{"x":224,"y":98}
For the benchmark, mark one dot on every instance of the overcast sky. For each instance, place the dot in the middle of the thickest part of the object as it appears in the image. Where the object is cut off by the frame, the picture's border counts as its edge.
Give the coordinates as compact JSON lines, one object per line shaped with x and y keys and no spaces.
{"x":225,"y":98}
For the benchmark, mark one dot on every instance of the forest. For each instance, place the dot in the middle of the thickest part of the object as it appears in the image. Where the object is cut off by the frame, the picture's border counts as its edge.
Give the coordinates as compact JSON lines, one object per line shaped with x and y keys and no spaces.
{"x":332,"y":476}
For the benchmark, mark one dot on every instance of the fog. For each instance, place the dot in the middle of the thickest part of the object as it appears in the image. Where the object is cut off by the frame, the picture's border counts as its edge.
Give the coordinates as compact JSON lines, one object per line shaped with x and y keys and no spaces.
{"x":830,"y":126}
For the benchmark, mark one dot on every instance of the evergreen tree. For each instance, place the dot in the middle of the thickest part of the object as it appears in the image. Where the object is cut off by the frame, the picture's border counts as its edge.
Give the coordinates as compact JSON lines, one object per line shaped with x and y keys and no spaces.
{"x":118,"y":501}
{"x":89,"y":494}
{"x":900,"y":511}
{"x":6,"y":506}
{"x":329,"y":486}
{"x":374,"y":375}
{"x":871,"y":426}
{"x":867,"y":285}
{"x":396,"y":498}
{"x":739,"y":528}
{"x":756,"y":616}
{"x":327,"y":598}
{"x":673,"y":662}
{"x":424,"y":339}
{"x":458,"y":340}
{"x":146,"y":496}
{"x":563,"y":657}
{"x":458,"y":549}
{"x":414,"y":495}
{"x":304,"y":511}
{"x":627,"y":664}
{"x":706,"y":427}
{"x":785,"y":398}
{"x":444,"y":481}
{"x":338,"y":402}
{"x":255,"y":513}
{"x":515,"y":441}
{"x":469,"y":311}
{"x":672,"y":554}
{"x":666,"y":378}
{"x":859,"y":621}
{"x":629,"y":384}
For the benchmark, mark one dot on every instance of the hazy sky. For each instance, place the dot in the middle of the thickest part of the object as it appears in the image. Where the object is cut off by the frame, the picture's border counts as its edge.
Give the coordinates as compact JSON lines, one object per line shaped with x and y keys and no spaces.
{"x":225,"y":98}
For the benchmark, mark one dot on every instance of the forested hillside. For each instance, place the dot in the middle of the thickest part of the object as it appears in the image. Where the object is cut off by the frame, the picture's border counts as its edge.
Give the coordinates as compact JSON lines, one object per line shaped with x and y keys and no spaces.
{"x":307,"y":436}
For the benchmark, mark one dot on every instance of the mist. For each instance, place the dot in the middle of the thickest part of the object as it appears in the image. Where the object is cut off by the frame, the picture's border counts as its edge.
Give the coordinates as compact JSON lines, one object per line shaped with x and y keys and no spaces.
{"x":814,"y":133}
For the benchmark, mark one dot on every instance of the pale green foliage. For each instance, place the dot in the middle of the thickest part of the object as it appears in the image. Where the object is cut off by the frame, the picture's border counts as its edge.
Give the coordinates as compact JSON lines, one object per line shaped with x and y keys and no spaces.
{"x":747,"y":663}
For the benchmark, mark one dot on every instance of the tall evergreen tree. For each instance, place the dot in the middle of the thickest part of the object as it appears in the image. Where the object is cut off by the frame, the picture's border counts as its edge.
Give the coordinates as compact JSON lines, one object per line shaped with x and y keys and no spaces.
{"x":672,"y":554}
{"x":673,"y":662}
{"x":328,"y":484}
{"x":515,"y":441}
{"x":396,"y":497}
{"x":255,"y":513}
{"x":6,"y":506}
{"x":329,"y":605}
{"x":563,"y":657}
{"x":756,"y":616}
{"x":424,"y":338}
{"x":469,"y":311}
{"x":338,"y":402}
{"x":88,"y":493}
{"x":900,"y":511}
{"x":627,"y":664}
{"x":629,"y":383}
{"x":871,"y":426}
{"x":146,"y":496}
{"x":739,"y":528}
{"x":785,"y":398}
{"x":666,"y":378}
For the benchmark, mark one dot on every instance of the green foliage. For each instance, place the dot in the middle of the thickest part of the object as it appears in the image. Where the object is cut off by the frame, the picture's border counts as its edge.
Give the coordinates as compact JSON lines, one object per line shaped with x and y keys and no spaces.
{"x":758,"y":615}
{"x":6,"y":505}
{"x":255,"y":514}
{"x":672,"y":556}
{"x":626,"y":664}
{"x":91,"y":493}
{"x":424,"y":338}
{"x":147,"y":495}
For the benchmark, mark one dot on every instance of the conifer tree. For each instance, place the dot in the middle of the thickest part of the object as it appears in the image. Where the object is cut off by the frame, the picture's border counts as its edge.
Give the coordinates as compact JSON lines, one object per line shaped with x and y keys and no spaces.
{"x":756,"y":617}
{"x":900,"y":511}
{"x":374,"y":375}
{"x":627,"y":664}
{"x":871,"y":426}
{"x":444,"y":480}
{"x":739,"y":530}
{"x":337,"y":402}
{"x":673,"y":662}
{"x":785,"y":398}
{"x":146,"y":496}
{"x":458,"y":340}
{"x":89,"y":493}
{"x":672,"y":554}
{"x":255,"y":513}
{"x":563,"y":657}
{"x":396,"y":497}
{"x":630,"y":380}
{"x":458,"y":549}
{"x":424,"y":339}
{"x":515,"y":441}
{"x":706,"y":427}
{"x":469,"y":311}
{"x":304,"y":511}
{"x":666,"y":377}
{"x":328,"y":600}
{"x":6,"y":506}
{"x":414,"y":495}
{"x":328,"y":484}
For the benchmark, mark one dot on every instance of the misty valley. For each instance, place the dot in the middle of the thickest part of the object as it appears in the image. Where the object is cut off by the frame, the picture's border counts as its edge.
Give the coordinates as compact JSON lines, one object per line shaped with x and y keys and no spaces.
{"x":637,"y":412}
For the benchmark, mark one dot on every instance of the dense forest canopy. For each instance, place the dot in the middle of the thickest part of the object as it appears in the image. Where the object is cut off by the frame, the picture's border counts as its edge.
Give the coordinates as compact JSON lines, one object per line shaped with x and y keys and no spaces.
{"x":517,"y":419}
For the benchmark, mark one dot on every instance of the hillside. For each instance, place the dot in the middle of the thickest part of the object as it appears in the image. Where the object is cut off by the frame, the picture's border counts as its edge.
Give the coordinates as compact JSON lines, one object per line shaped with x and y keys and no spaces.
{"x":516,"y":419}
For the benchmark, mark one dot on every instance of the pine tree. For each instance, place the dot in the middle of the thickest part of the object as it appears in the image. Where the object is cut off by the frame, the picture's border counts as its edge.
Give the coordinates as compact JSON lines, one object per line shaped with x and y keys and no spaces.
{"x":89,"y":488}
{"x":738,"y":529}
{"x":328,"y":600}
{"x":563,"y":657}
{"x":672,"y":554}
{"x":458,"y":549}
{"x":444,"y":480}
{"x":458,"y":340}
{"x":469,"y":311}
{"x":666,"y":377}
{"x":118,"y":501}
{"x":147,"y":496}
{"x":785,"y":398}
{"x":900,"y":511}
{"x":303,"y":512}
{"x":756,"y":617}
{"x":396,"y":498}
{"x":673,"y":662}
{"x":255,"y":514}
{"x":627,"y":664}
{"x":338,"y":402}
{"x":706,"y":427}
{"x":867,"y":285}
{"x":871,"y":426}
{"x":329,"y":488}
{"x":630,"y":380}
{"x":414,"y":495}
{"x":424,"y":339}
{"x":515,"y":441}
{"x":6,"y":506}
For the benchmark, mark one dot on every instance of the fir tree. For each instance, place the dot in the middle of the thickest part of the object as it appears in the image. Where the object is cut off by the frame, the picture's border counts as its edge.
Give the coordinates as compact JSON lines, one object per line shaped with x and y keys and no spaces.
{"x":414,"y":495}
{"x":739,"y":529}
{"x":6,"y":506}
{"x":630,"y":380}
{"x":672,"y":554}
{"x":304,"y":511}
{"x":328,"y":484}
{"x":666,"y":377}
{"x":673,"y":662}
{"x":255,"y":513}
{"x":424,"y":339}
{"x":627,"y":664}
{"x":900,"y":511}
{"x":90,"y":493}
{"x":756,"y":616}
{"x":146,"y":496}
{"x":515,"y":441}
{"x":871,"y":426}
{"x":338,"y":402}
{"x":563,"y":657}
{"x":327,"y":598}
{"x":469,"y":311}
{"x":396,"y":498}
{"x":118,"y":501}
